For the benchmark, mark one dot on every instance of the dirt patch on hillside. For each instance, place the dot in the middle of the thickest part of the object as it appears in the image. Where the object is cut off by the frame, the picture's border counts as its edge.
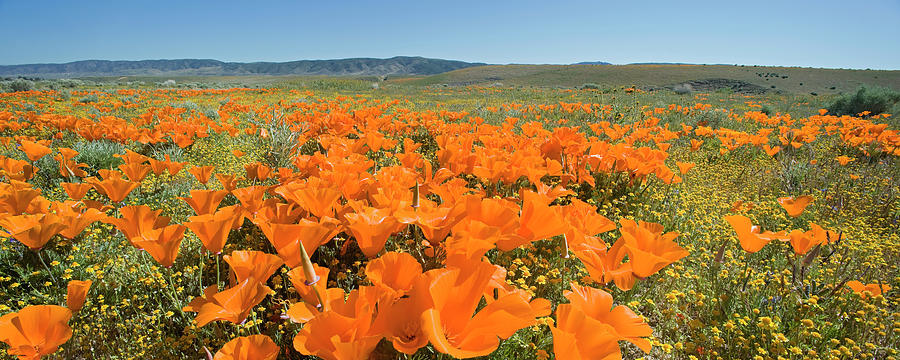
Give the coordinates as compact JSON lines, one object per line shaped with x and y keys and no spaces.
{"x":709,"y":85}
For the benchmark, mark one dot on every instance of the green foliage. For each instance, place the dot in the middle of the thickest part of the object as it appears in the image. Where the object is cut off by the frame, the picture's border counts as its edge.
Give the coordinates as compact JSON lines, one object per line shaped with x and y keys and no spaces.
{"x":876,"y":100}
{"x":89,"y":99}
{"x":98,"y":154}
{"x":280,"y":141}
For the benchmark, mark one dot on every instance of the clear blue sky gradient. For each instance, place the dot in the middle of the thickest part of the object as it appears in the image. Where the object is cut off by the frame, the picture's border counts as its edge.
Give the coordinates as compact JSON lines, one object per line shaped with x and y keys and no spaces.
{"x":835,"y":34}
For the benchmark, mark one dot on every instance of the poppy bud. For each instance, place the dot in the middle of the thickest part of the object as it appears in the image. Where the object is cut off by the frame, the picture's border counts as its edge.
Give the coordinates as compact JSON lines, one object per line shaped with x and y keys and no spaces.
{"x":415,"y":199}
{"x":76,"y":294}
{"x":310,"y":273}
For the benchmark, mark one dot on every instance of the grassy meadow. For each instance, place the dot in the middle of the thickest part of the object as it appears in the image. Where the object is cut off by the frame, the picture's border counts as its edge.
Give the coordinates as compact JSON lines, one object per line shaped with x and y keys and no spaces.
{"x":338,"y":218}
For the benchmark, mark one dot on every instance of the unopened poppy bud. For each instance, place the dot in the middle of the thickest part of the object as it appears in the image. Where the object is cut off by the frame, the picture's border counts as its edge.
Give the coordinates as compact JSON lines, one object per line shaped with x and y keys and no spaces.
{"x":76,"y":294}
{"x":720,"y":255}
{"x":310,"y":273}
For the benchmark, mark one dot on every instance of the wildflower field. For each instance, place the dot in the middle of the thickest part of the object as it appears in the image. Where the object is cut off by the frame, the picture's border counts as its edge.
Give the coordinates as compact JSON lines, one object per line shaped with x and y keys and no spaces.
{"x":341,"y":221}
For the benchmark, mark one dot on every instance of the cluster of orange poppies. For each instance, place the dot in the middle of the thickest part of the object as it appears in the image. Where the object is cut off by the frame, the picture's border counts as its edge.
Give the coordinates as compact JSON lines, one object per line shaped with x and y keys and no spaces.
{"x":753,"y":239}
{"x":335,"y":193}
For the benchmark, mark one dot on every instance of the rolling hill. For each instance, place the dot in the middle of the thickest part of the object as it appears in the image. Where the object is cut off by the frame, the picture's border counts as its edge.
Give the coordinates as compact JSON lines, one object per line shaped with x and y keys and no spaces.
{"x":785,"y":79}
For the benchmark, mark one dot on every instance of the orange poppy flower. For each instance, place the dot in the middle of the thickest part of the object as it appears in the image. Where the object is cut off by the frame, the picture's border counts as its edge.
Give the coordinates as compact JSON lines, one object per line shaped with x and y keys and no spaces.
{"x":287,"y":238}
{"x":454,"y":295}
{"x":684,"y":167}
{"x":202,"y":173}
{"x":232,"y":305}
{"x":228,"y":181}
{"x":874,"y":289}
{"x":76,"y":293}
{"x":138,"y":219}
{"x":68,"y":153}
{"x":252,"y":264}
{"x":844,"y":160}
{"x":344,"y":333}
{"x":211,"y":229}
{"x":76,"y":191}
{"x":795,"y":205}
{"x":538,"y":221}
{"x":253,"y":347}
{"x":395,"y":273}
{"x":771,"y":150}
{"x":695,"y":144}
{"x":740,"y":205}
{"x":468,"y":243}
{"x":69,"y":167}
{"x":116,"y":189}
{"x":110,"y":174}
{"x":17,"y":196}
{"x":131,"y":157}
{"x":589,"y":327}
{"x":434,"y":221}
{"x":399,"y":320}
{"x":313,"y":196}
{"x":749,"y":235}
{"x":499,"y":217}
{"x":251,"y":198}
{"x":205,"y":201}
{"x":16,"y":169}
{"x":257,"y":171}
{"x":76,"y":218}
{"x":162,"y":244}
{"x":234,"y":212}
{"x":134,"y":171}
{"x":371,"y":228}
{"x":168,"y":165}
{"x":584,"y":221}
{"x":605,"y":265}
{"x":237,"y":153}
{"x":36,"y":330}
{"x":33,"y":231}
{"x":649,"y":250}
{"x":33,"y":150}
{"x":802,"y":242}
{"x":394,"y":276}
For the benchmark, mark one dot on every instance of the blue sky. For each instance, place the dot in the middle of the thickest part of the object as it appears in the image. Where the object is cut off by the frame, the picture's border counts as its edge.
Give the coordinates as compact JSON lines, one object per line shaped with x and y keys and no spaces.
{"x":835,"y":34}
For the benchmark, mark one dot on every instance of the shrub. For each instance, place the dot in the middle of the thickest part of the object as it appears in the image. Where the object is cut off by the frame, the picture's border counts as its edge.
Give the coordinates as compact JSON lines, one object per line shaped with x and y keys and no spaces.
{"x":21,"y":85}
{"x":683,"y":88}
{"x":99,"y":154}
{"x":92,"y":98}
{"x":876,"y":100}
{"x":280,"y":140}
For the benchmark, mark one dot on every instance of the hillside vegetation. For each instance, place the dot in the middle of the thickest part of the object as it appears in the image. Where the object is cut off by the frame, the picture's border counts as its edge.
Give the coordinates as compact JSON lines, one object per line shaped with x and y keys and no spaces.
{"x":786,"y":79}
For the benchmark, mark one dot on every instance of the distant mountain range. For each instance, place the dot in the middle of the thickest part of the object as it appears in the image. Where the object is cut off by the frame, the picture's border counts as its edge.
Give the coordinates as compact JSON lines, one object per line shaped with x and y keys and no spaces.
{"x":398,"y":65}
